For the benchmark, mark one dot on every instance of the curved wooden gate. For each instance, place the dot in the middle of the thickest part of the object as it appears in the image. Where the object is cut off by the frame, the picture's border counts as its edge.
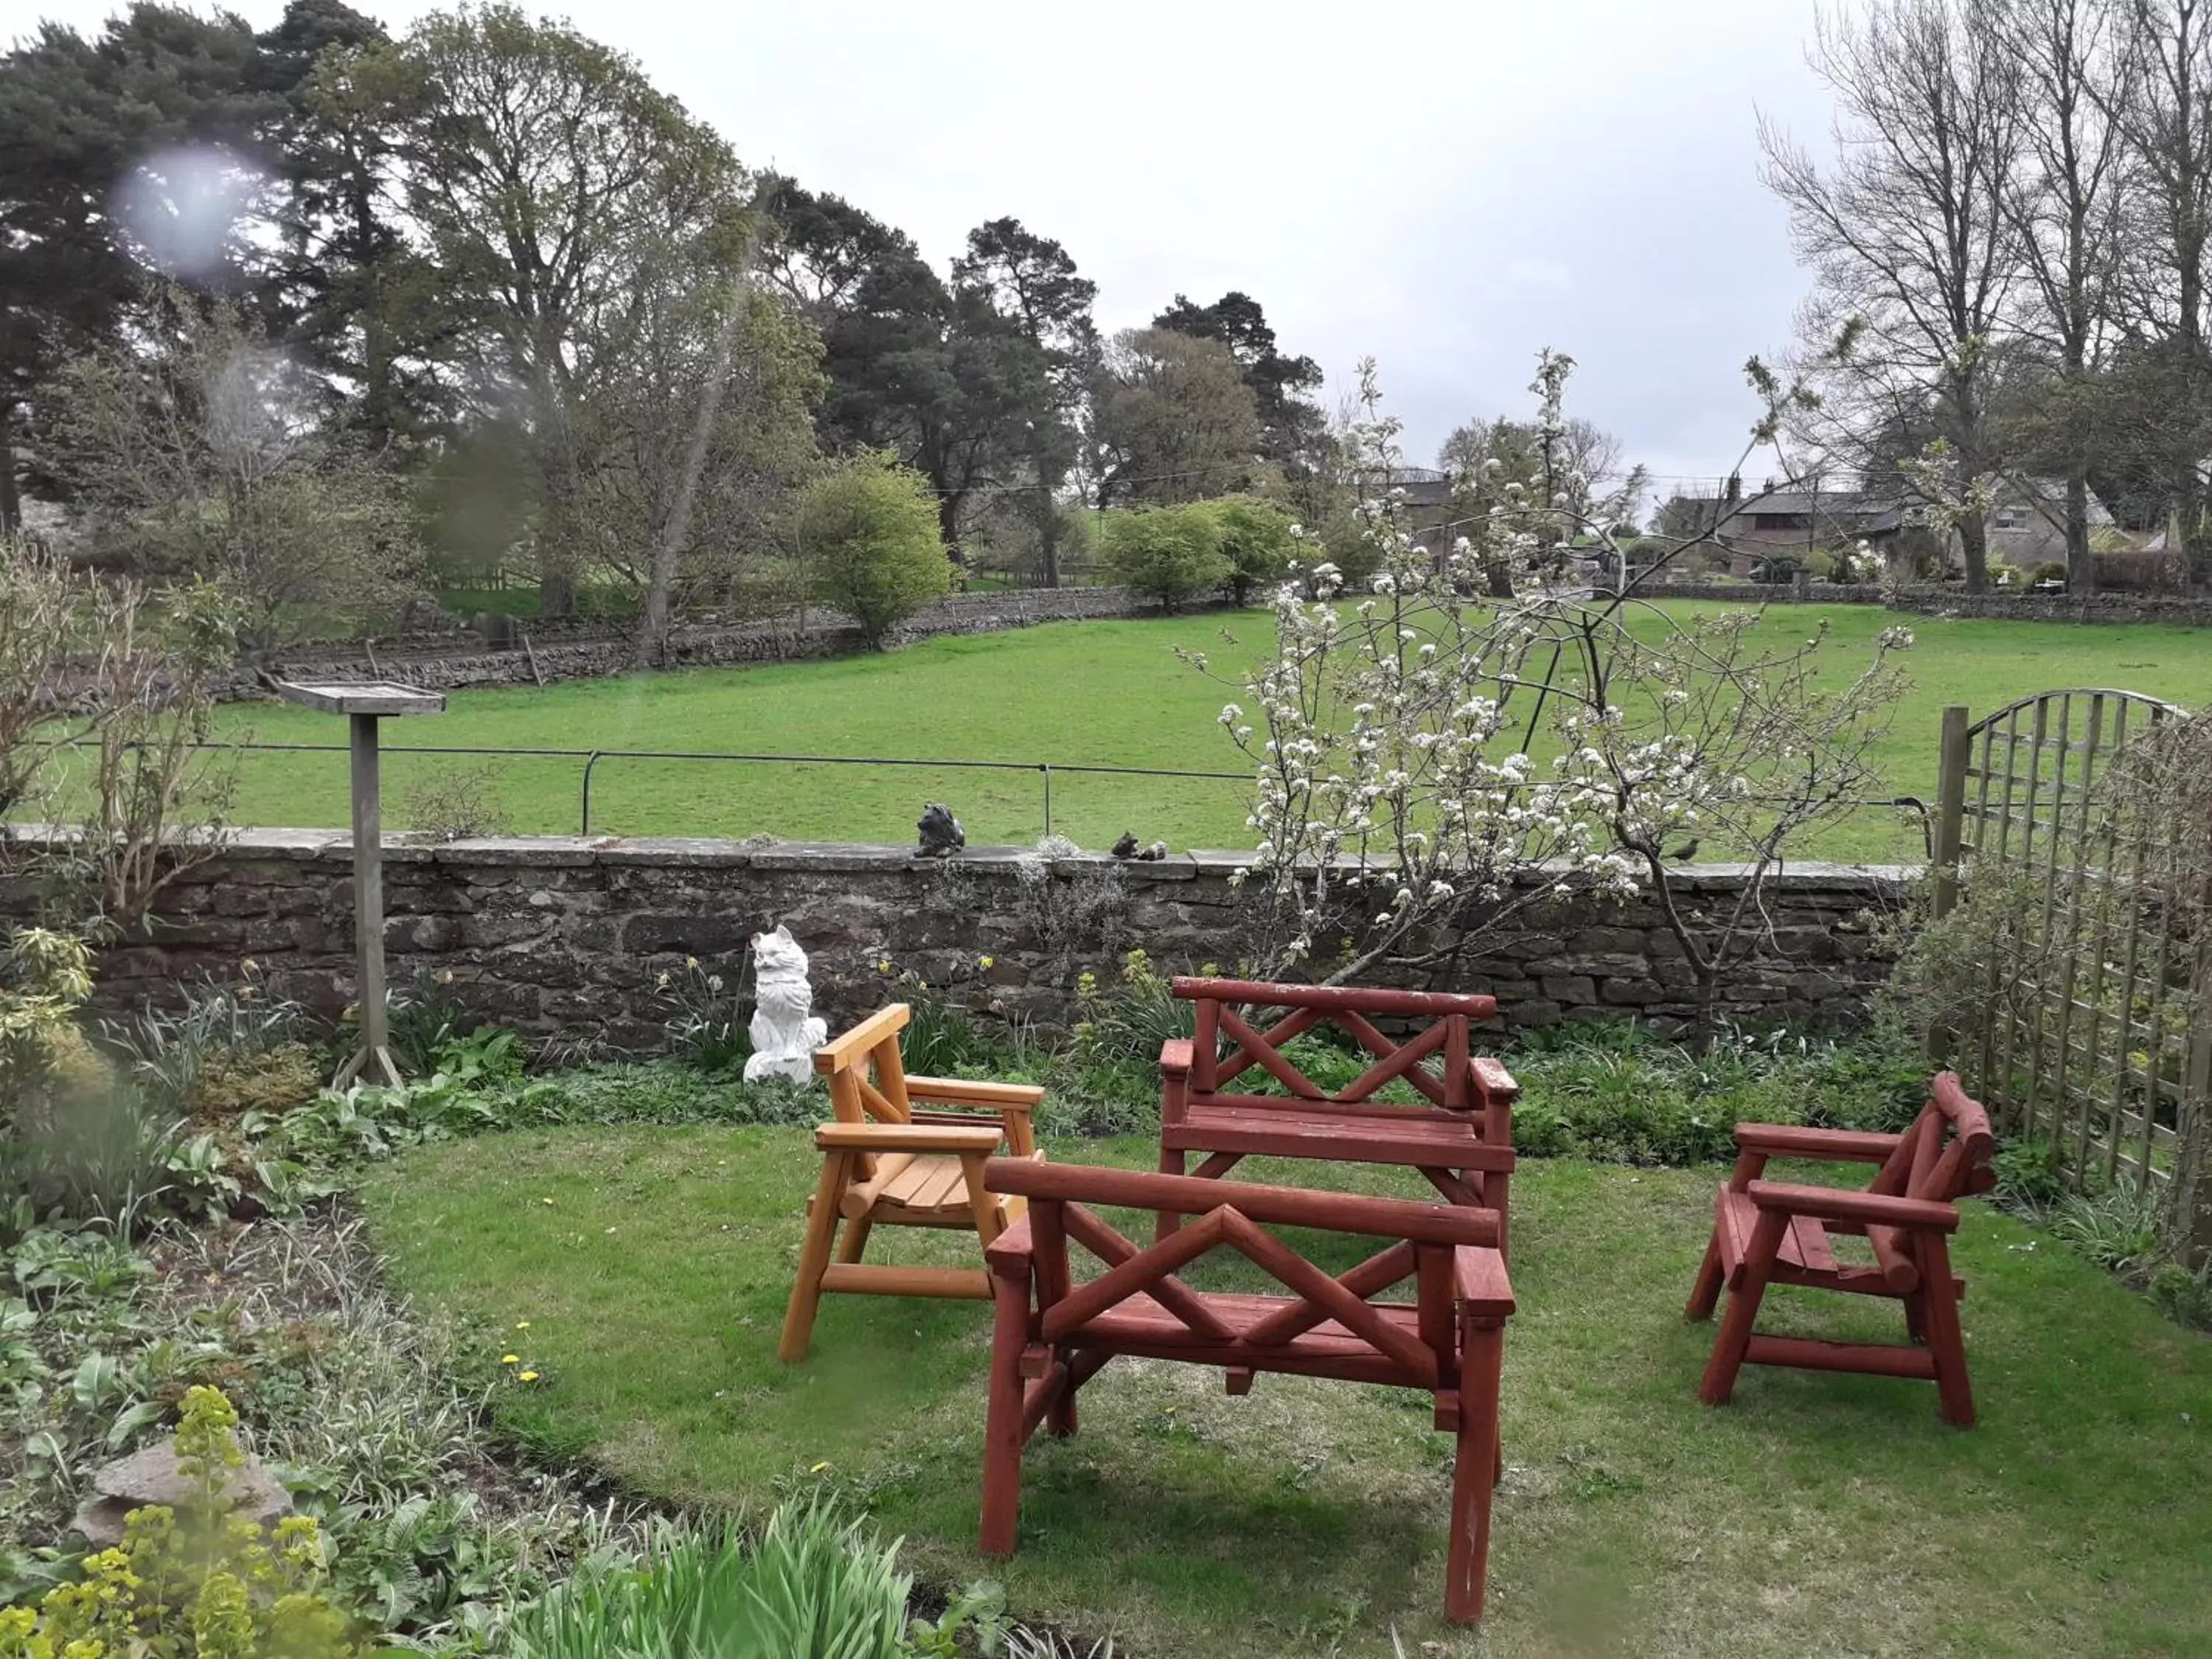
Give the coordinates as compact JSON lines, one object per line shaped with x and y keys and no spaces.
{"x":2095,"y":1035}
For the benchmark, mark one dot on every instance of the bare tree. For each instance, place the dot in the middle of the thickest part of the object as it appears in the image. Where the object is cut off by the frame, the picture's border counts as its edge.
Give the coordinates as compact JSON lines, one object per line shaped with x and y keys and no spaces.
{"x":2166,"y":120}
{"x":1908,"y":233}
{"x":2067,"y":200}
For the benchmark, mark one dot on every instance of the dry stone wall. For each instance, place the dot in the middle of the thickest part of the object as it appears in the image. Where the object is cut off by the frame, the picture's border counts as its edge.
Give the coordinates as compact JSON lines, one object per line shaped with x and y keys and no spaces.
{"x":570,"y":937}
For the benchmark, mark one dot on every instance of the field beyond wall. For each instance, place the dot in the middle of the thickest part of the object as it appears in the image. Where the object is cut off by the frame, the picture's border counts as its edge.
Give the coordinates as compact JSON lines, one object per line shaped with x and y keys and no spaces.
{"x":1085,"y":693}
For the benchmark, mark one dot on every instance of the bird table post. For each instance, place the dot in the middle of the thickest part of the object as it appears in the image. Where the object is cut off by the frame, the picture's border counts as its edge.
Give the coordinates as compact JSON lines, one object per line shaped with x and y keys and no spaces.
{"x":363,"y":705}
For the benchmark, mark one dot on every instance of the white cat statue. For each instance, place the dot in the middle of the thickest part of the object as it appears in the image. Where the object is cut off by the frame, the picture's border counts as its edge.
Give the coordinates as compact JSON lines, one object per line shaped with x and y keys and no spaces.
{"x":784,"y":1030}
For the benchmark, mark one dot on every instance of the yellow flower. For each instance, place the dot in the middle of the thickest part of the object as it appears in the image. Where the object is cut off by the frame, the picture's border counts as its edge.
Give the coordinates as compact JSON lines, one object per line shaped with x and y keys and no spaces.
{"x":883,"y":964}
{"x":690,"y":962}
{"x":249,"y":966}
{"x":528,"y":1377}
{"x":545,"y":1201}
{"x":984,"y":962}
{"x":522,"y":1324}
{"x":818,"y":1468}
{"x":510,"y":1359}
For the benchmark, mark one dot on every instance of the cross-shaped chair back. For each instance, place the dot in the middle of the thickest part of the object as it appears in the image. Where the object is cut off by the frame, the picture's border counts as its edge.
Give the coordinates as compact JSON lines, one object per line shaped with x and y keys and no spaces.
{"x":1946,"y":1155}
{"x":1227,"y":1043}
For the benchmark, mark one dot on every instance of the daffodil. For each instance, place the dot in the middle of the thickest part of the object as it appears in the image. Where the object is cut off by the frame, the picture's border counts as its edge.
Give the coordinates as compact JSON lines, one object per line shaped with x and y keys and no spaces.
{"x":527,"y":1376}
{"x":510,"y":1359}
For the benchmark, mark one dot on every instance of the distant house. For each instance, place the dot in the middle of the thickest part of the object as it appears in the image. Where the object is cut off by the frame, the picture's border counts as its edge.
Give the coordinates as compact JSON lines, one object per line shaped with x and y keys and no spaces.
{"x":2026,"y":523}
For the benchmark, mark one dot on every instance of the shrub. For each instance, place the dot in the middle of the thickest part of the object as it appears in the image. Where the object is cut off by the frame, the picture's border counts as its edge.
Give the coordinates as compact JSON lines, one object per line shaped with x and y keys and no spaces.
{"x":2051,"y":570}
{"x":2183,"y":1297}
{"x":457,"y":803}
{"x":2117,"y":1230}
{"x":868,"y":529}
{"x":1171,"y":554}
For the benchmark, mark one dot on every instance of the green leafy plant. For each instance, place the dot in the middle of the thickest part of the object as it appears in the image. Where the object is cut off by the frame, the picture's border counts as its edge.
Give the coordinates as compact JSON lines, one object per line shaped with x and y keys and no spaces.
{"x":813,"y":1586}
{"x":867,"y":528}
{"x":193,"y":1583}
{"x":2120,"y":1230}
{"x":708,"y":1018}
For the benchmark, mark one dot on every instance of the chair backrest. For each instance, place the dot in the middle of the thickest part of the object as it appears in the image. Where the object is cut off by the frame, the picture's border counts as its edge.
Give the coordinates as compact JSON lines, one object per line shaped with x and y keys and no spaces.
{"x":865,"y":1073}
{"x":1434,"y":1059}
{"x":1421,"y":1240}
{"x":1946,"y":1154}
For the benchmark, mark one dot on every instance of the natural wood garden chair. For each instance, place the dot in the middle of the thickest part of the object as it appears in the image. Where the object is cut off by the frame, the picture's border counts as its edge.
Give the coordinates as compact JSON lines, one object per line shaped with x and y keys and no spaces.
{"x":885,"y":1163}
{"x":1461,"y":1138}
{"x":1767,"y":1232}
{"x":1052,"y":1335}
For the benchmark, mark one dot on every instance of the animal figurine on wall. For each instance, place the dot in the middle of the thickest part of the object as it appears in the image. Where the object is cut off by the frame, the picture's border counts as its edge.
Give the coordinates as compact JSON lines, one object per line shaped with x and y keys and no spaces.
{"x":785,"y":1030}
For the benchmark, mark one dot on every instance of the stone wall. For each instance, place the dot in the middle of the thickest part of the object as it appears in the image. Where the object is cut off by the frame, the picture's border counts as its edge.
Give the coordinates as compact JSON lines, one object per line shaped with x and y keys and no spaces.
{"x":1956,"y":601}
{"x":570,"y":937}
{"x":458,"y":660}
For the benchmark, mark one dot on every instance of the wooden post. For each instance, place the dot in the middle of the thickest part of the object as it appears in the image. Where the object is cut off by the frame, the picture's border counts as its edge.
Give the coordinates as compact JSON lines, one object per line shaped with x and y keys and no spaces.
{"x":1954,"y":753}
{"x":368,"y":907}
{"x":1952,"y":758}
{"x":363,"y":705}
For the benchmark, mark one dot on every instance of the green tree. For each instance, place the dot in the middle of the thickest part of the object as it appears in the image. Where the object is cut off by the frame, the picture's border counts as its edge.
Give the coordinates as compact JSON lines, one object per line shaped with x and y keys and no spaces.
{"x":85,"y":123}
{"x":1171,"y":554}
{"x":206,"y":459}
{"x":1172,"y":421}
{"x":1255,"y":541}
{"x":866,"y":529}
{"x":1043,"y":306}
{"x":553,"y":185}
{"x":1292,"y":428}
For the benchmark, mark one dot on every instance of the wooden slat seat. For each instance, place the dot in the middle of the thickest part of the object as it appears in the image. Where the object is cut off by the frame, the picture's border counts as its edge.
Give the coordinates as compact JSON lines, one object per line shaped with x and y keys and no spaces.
{"x":1768,"y":1232}
{"x":885,"y":1163}
{"x":1052,"y":1334}
{"x":1216,"y":1100}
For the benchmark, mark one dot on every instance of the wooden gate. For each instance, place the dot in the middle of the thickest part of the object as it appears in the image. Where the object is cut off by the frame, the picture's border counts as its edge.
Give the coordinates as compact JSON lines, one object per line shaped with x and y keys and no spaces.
{"x":2081,"y":863}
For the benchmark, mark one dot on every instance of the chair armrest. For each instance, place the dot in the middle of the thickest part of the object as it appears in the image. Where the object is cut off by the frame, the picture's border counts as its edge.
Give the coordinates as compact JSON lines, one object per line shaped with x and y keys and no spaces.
{"x":1014,"y":1248}
{"x":1175,"y":1057}
{"x":1479,"y":1281}
{"x":1791,"y":1140}
{"x":1833,"y":1204}
{"x":905,"y":1138}
{"x":1493,"y":1085}
{"x":961,"y":1091}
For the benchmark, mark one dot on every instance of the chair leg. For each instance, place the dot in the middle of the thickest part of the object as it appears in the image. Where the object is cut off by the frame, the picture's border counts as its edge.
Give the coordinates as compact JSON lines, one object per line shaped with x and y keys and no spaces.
{"x":1707,"y":1292}
{"x":855,"y":1239}
{"x":1167,"y":1223}
{"x":1946,"y":1345}
{"x":1002,"y":1425}
{"x":1474,"y":1473}
{"x":1735,"y":1339}
{"x":813,"y":1257}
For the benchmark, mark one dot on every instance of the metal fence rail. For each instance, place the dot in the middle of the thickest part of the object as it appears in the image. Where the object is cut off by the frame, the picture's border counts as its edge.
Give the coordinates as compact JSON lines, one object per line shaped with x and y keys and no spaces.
{"x":1044,"y":770}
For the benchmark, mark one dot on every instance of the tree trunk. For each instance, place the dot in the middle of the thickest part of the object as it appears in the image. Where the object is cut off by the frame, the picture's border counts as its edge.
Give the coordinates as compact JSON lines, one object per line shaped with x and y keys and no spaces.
{"x":1974,"y":544}
{"x":1048,"y":539}
{"x":1497,"y":577}
{"x":11,"y":504}
{"x":2081,"y":566}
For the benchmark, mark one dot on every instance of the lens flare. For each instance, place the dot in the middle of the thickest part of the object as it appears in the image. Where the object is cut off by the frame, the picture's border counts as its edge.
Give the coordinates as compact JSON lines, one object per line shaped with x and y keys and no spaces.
{"x":181,"y":207}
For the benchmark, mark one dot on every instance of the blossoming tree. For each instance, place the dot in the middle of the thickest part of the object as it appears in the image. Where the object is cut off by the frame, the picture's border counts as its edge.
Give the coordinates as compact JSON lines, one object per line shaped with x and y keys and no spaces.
{"x":1432,"y":764}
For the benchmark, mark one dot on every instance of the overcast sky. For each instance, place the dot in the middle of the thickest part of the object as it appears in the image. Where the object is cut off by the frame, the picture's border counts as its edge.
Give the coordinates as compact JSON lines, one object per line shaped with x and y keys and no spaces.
{"x":1444,"y":186}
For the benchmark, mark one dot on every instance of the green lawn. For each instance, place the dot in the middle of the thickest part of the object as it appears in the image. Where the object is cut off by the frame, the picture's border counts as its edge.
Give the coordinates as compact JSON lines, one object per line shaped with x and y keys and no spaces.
{"x":1818,"y":1515}
{"x":1099,"y":693}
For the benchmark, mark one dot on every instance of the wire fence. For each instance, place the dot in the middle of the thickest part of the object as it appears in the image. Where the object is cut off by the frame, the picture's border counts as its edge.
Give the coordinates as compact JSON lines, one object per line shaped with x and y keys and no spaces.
{"x":591,"y":760}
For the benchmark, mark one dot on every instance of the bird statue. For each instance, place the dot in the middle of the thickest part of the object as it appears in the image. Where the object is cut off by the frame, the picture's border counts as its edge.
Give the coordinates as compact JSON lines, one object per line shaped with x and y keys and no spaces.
{"x":941,"y":834}
{"x":1126,"y":846}
{"x":1153,"y":853}
{"x":1686,"y":851}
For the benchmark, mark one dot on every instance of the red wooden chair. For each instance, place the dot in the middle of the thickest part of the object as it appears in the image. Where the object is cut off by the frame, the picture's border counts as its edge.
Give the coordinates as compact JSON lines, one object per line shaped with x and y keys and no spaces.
{"x":1768,"y":1232}
{"x":1462,"y":1140}
{"x":1052,"y":1335}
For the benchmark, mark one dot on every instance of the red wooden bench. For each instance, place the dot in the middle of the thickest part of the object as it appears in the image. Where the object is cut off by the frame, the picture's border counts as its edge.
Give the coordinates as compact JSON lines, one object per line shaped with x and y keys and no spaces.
{"x":1767,"y":1232}
{"x":1461,"y":1140}
{"x":1052,"y":1335}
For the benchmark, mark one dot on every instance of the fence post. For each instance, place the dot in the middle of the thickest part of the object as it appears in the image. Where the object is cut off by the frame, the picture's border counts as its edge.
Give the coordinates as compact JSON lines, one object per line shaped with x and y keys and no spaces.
{"x":1950,"y":806}
{"x":1954,"y":752}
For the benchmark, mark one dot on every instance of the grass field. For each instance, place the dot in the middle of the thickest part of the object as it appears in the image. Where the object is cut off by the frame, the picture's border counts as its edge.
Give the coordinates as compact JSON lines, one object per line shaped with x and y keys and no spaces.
{"x":1095,"y":693}
{"x":1818,"y":1515}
